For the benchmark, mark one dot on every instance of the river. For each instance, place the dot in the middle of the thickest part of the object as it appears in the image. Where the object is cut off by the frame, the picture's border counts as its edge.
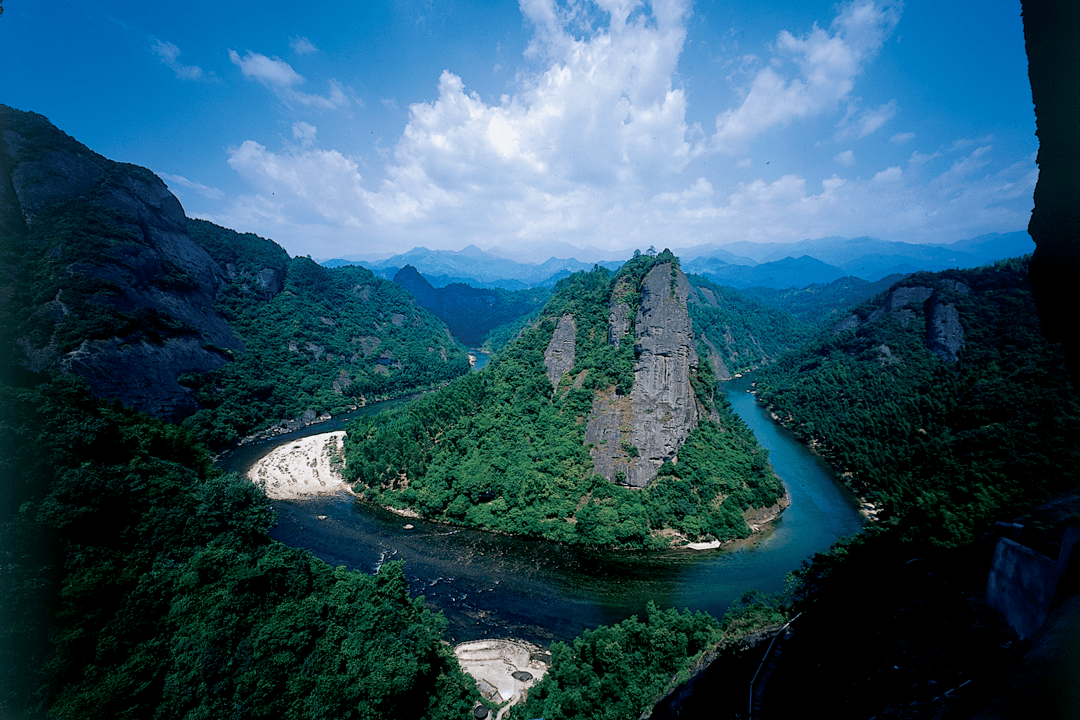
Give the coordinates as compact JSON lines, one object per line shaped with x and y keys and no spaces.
{"x":491,"y":585}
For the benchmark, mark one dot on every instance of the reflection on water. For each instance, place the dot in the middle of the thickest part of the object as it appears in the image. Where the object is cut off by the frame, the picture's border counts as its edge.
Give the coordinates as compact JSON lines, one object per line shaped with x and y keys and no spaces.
{"x":491,"y":585}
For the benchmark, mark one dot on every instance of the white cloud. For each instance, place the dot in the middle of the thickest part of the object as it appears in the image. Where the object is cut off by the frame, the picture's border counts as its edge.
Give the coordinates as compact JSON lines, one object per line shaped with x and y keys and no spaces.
{"x":168,"y":53}
{"x":304,"y":133}
{"x":593,"y":147}
{"x":280,"y":77}
{"x":867,"y":122}
{"x":302,"y":46}
{"x":826,"y":65}
{"x":901,"y":138}
{"x":181,"y":181}
{"x":319,"y":185}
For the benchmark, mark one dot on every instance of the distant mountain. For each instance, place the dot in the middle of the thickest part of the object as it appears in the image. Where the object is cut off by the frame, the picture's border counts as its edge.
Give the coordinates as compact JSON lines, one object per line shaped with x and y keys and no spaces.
{"x":821,"y":305}
{"x":469,"y":312}
{"x":785,"y":273}
{"x":740,"y":264}
{"x":477,"y":268}
{"x":871,"y":258}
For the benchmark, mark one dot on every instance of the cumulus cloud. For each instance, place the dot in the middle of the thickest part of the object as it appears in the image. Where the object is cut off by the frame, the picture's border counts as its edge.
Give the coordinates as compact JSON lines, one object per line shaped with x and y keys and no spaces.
{"x":593,"y":147}
{"x":168,"y":53}
{"x":320,"y":185}
{"x":279,"y":76}
{"x":901,"y":138}
{"x":825,"y":66}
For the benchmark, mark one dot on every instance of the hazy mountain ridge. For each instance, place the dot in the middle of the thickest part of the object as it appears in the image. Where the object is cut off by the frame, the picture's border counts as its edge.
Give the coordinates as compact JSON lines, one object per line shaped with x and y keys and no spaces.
{"x":739,"y":264}
{"x":470,"y":312}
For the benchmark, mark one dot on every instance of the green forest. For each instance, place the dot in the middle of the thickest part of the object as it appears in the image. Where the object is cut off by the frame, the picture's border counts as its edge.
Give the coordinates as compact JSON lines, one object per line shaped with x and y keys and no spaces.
{"x":138,"y":581}
{"x":328,"y":340}
{"x":498,"y":450}
{"x":946,"y":448}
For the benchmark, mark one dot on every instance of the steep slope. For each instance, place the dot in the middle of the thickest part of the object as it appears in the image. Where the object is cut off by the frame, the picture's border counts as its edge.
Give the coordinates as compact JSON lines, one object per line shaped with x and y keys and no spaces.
{"x":737,"y":333}
{"x":103,"y":280}
{"x":470,"y":312}
{"x":317,"y":339}
{"x":942,"y":400}
{"x":597,"y":425}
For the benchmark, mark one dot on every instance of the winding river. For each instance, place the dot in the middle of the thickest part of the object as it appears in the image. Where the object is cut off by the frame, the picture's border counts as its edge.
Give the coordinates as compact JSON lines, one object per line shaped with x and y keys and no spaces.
{"x":490,"y":585}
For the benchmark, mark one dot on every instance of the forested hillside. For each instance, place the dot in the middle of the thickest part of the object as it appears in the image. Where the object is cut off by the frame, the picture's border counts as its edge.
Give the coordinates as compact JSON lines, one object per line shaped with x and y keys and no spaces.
{"x":738,"y":333}
{"x":470,"y":313}
{"x":136,"y":582}
{"x":821,"y":305}
{"x":316,"y":339}
{"x":505,"y":449}
{"x":942,"y":400}
{"x":105,"y":278}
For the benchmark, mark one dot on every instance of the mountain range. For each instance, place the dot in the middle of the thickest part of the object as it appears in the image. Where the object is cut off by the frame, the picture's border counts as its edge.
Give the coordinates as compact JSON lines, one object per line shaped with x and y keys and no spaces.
{"x":741,"y":264}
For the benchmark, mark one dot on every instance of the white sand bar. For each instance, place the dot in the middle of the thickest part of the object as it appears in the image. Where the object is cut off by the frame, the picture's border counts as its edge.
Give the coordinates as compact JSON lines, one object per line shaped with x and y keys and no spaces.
{"x":492,"y":663}
{"x":302,"y":468}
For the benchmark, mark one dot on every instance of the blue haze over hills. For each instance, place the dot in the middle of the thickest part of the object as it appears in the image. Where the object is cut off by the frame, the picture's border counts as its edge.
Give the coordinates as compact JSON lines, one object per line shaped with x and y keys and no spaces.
{"x":739,"y":265}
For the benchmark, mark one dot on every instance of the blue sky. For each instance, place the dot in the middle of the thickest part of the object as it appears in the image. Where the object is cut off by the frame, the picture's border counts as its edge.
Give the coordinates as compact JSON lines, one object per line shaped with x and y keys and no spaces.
{"x":366,"y":128}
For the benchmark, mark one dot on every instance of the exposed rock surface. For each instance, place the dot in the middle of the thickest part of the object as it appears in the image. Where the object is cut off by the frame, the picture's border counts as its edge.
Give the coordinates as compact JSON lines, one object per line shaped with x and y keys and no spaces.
{"x":631,"y":436}
{"x":619,"y":324}
{"x":944,"y":333}
{"x":899,"y":298}
{"x":151,"y":268}
{"x":663,"y":401}
{"x":559,"y":356}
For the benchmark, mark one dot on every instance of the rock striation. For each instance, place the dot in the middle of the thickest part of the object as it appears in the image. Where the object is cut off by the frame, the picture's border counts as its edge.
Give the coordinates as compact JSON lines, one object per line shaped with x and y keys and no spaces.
{"x":663,"y":403}
{"x":560,"y":353}
{"x":631,"y":436}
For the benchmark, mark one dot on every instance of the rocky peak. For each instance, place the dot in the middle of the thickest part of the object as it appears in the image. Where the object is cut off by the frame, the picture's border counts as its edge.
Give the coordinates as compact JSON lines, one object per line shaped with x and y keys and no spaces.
{"x":560,"y":353}
{"x":159,"y":285}
{"x":631,"y":436}
{"x":663,"y":402}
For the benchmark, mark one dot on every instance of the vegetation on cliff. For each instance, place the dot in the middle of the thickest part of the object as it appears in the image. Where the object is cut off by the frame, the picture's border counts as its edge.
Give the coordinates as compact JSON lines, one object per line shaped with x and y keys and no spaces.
{"x":136,"y":581}
{"x":501,"y":450}
{"x":316,"y":339}
{"x":947,"y":436}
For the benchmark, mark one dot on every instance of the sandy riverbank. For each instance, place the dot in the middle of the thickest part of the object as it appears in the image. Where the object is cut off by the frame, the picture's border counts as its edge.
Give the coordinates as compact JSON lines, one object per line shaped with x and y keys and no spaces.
{"x":503,"y":669}
{"x":302,"y":468}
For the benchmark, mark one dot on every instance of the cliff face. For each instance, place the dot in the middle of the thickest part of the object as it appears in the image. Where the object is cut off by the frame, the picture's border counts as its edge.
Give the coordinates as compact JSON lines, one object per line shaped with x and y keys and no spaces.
{"x":919,"y":303}
{"x":106,"y":282}
{"x":559,"y":356}
{"x":631,"y":436}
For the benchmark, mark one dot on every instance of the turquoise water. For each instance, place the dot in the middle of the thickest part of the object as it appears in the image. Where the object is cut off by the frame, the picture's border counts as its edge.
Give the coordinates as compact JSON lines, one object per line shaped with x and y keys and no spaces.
{"x":492,"y":585}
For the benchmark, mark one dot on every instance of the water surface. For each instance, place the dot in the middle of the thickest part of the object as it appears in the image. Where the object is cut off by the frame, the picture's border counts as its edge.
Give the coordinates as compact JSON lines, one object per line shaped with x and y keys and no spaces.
{"x":491,"y":585}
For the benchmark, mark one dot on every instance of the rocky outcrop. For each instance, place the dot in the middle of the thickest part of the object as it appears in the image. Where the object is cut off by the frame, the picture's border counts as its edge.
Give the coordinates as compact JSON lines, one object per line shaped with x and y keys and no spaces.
{"x":619,"y":324}
{"x":136,"y":313}
{"x":663,"y":402}
{"x":944,"y":333}
{"x":559,"y":356}
{"x":630,"y":436}
{"x":897,"y":300}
